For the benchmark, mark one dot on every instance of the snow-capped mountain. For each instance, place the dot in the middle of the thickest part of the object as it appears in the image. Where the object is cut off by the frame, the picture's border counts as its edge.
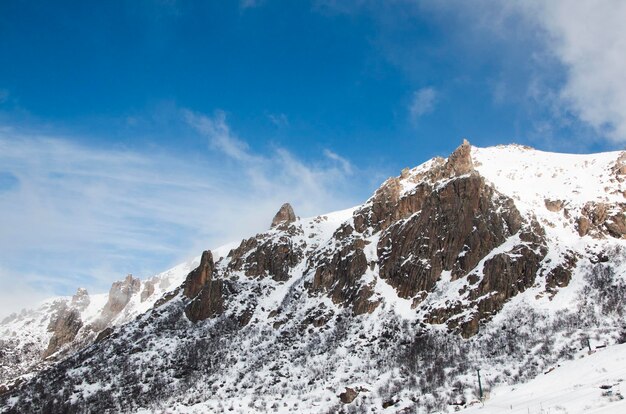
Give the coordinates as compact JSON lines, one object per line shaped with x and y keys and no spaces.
{"x":34,"y":338}
{"x":505,"y":259}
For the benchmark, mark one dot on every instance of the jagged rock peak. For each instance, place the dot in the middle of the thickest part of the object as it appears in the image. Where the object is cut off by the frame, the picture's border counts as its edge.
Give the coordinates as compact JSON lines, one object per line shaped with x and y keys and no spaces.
{"x":206,"y":293}
{"x":460,"y":161}
{"x":199,"y":277}
{"x":284,"y":216}
{"x":81,"y":299}
{"x":121,"y":293}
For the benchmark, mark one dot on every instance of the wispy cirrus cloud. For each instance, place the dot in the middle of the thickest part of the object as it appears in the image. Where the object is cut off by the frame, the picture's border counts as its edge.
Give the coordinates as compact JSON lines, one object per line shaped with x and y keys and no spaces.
{"x":75,"y":215}
{"x":279,"y":120}
{"x":220,"y":136}
{"x":422,"y":102}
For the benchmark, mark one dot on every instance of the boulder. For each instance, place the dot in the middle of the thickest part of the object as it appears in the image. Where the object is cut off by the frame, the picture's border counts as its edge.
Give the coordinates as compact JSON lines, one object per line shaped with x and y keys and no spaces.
{"x":349,"y":395}
{"x":554,"y":205}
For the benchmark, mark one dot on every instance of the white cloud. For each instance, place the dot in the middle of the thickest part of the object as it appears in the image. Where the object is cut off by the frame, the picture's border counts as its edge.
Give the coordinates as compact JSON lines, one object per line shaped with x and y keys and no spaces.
{"x":279,"y":120}
{"x":345,"y":164}
{"x":84,"y":216}
{"x":589,"y":39}
{"x":422,"y":102}
{"x":219,"y":134}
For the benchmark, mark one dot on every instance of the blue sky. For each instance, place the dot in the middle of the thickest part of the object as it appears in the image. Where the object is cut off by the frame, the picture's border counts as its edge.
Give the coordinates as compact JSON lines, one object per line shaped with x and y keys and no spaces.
{"x":134,"y":134}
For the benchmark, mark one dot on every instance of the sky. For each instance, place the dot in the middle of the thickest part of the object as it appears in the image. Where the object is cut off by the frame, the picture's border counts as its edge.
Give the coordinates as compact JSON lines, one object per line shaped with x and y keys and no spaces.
{"x":135,"y":134}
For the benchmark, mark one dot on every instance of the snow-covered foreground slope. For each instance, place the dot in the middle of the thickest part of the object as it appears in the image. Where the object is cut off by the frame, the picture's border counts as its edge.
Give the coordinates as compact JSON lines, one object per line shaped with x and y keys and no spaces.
{"x":505,"y":259}
{"x":589,"y":384}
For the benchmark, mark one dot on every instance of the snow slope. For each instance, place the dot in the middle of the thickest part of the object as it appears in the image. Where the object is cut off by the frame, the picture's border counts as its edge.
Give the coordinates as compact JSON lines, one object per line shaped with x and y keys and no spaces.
{"x":589,"y":384}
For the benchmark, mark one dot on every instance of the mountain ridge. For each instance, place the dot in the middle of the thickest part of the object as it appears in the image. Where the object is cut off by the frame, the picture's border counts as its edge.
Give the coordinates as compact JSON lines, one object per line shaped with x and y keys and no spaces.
{"x":446,"y":248}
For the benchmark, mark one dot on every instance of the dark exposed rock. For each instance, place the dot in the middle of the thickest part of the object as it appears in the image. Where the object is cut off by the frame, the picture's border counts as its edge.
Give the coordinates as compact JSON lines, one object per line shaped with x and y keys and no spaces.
{"x":583,"y":225}
{"x":105,"y":333}
{"x":504,"y":276}
{"x":284,"y":216}
{"x":348,"y":395}
{"x":64,"y":326}
{"x":619,"y":169}
{"x":561,"y":274}
{"x":208,"y":303}
{"x":317,"y":317}
{"x":386,"y":206}
{"x":339,"y":274}
{"x":206,"y":293}
{"x":458,"y":226}
{"x":554,"y":205}
{"x":260,"y":256}
{"x":601,"y":219}
{"x":389,"y":403}
{"x":198,"y":278}
{"x":460,"y":161}
{"x":380,"y":212}
{"x":616,"y":225}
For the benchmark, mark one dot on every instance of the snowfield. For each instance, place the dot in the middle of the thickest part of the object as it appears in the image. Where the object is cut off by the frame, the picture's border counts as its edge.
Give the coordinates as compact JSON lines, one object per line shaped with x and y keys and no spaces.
{"x":590,"y":384}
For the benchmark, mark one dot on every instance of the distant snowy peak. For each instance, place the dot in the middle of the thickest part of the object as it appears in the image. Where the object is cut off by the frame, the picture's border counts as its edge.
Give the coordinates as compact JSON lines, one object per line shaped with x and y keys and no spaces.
{"x":63,"y":324}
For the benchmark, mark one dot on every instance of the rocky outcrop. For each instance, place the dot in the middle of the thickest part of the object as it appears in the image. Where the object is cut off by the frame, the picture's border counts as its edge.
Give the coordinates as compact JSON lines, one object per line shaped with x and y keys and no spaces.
{"x":460,"y":161}
{"x":120,"y":294}
{"x":285,"y":216}
{"x":387,"y":205}
{"x":206,"y":294}
{"x":339,"y":274}
{"x":560,"y":275}
{"x":458,"y":225}
{"x":348,"y":395}
{"x":148,"y":290}
{"x":64,"y":325}
{"x":80,"y":300}
{"x":200,"y":276}
{"x":601,"y":219}
{"x":263,"y":256}
{"x":619,"y":169}
{"x":554,"y":205}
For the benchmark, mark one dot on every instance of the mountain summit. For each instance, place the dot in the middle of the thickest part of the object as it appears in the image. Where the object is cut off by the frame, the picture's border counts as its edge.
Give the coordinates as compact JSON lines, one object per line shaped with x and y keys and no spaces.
{"x":504,"y":259}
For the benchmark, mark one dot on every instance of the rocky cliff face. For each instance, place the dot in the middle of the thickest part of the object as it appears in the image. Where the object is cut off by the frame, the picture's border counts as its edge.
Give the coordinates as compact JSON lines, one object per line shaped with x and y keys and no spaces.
{"x":206,"y":294}
{"x":491,"y":254}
